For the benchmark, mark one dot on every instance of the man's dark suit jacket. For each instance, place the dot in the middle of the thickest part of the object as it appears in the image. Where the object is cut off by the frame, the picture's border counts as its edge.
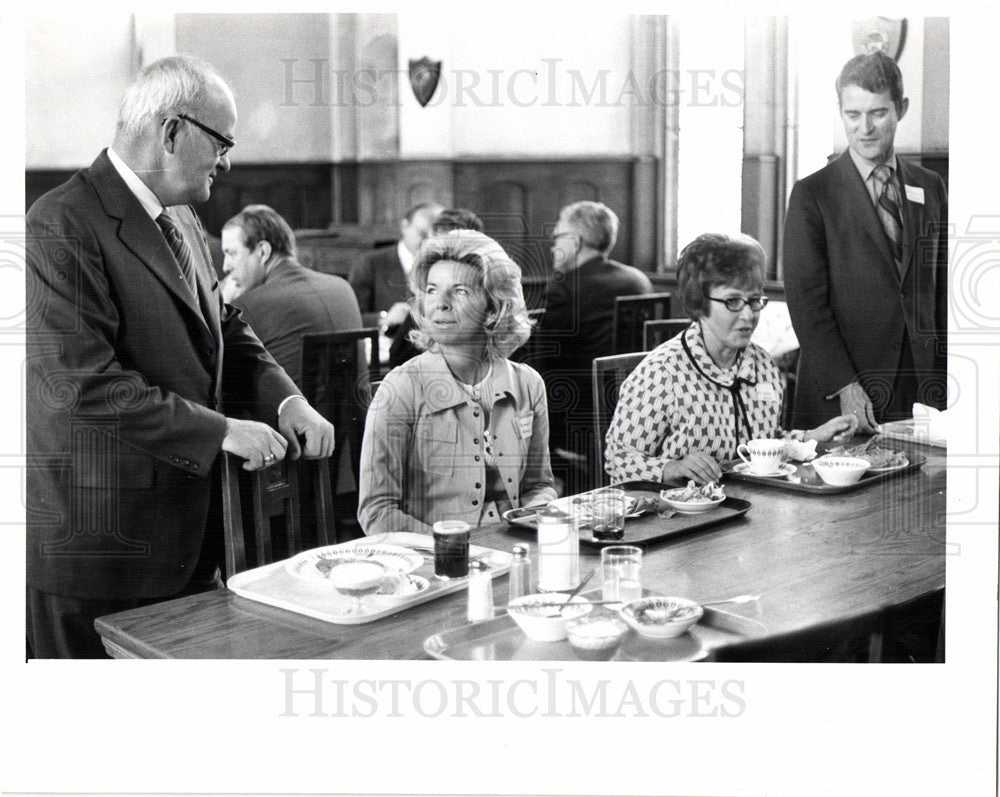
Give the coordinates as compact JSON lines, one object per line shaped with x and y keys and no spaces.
{"x":850,"y":306}
{"x":293,"y":301}
{"x":126,"y":382}
{"x":576,"y":328}
{"x":379,"y":281}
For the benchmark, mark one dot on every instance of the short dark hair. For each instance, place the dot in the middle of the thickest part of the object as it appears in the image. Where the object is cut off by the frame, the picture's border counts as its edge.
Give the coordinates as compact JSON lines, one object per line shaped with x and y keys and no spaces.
{"x":874,"y":72}
{"x":458,"y":219}
{"x":258,"y":223}
{"x":714,"y":259}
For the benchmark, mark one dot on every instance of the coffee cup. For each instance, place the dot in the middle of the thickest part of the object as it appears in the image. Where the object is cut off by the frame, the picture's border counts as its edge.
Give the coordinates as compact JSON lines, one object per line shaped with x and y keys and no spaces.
{"x":762,"y":456}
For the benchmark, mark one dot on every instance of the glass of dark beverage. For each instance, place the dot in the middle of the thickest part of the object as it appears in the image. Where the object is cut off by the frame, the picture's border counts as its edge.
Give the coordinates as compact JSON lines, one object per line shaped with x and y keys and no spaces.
{"x":608,"y":514}
{"x":451,"y":549}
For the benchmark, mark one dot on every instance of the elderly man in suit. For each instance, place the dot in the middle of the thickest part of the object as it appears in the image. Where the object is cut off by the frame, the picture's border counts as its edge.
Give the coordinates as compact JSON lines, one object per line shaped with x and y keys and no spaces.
{"x":280,"y":299}
{"x":865,"y":264}
{"x":578,"y":326}
{"x":135,"y":368}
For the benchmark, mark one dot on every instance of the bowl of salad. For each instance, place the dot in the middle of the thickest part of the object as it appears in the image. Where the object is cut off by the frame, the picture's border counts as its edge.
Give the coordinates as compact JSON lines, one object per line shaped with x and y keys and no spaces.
{"x":694,"y":498}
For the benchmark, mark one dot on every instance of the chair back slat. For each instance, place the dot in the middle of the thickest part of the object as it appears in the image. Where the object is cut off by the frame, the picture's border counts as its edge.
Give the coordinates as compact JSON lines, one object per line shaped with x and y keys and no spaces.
{"x":660,"y":330}
{"x":274,"y":492}
{"x":630,"y":313}
{"x":336,"y":380}
{"x":608,"y":374}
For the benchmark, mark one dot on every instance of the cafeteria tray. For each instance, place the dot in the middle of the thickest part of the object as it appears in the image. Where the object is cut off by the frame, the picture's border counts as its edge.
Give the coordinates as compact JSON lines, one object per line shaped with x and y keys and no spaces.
{"x":275,"y":585}
{"x":500,"y":639}
{"x":811,"y":482}
{"x":648,"y":527}
{"x":911,"y":431}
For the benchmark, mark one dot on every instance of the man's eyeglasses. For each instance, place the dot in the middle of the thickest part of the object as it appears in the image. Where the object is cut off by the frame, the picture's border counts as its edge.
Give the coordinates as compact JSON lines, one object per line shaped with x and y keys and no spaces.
{"x":736,"y":303}
{"x":226,"y":143}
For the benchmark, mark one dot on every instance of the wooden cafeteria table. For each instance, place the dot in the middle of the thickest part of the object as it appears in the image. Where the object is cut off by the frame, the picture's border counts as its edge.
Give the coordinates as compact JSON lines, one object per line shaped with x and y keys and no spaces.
{"x":814,"y":560}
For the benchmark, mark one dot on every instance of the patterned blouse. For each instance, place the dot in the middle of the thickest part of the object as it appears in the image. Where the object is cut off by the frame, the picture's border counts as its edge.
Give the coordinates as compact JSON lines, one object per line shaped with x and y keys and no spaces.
{"x":678,"y":400}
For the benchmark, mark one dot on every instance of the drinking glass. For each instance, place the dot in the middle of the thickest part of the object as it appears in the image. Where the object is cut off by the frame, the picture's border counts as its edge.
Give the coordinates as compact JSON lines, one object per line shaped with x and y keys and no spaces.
{"x":621,"y":573}
{"x":608,"y":514}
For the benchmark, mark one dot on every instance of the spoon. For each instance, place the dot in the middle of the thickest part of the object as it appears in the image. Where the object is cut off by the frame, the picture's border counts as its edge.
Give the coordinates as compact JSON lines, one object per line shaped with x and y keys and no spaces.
{"x":576,"y":591}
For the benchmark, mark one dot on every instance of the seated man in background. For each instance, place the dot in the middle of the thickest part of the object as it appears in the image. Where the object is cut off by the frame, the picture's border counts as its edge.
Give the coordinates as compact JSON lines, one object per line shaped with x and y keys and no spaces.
{"x":577,"y":327}
{"x":280,"y":299}
{"x":382,"y":280}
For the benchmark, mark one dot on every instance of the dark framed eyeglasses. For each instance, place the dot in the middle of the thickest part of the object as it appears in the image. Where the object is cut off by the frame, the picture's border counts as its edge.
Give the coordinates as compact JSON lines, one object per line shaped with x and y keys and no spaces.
{"x":226,"y":143}
{"x":736,"y":303}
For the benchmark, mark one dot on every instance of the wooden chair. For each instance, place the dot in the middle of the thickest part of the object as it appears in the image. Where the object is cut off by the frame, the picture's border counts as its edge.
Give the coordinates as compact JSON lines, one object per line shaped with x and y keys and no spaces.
{"x":630,"y":313}
{"x":336,"y":379}
{"x":274,"y":492}
{"x":661,"y":330}
{"x":608,"y":375}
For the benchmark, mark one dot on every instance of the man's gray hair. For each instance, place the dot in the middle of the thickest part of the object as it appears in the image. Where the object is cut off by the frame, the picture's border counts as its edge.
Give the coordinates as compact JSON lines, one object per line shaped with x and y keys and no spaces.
{"x":594,"y":222}
{"x":173,"y":85}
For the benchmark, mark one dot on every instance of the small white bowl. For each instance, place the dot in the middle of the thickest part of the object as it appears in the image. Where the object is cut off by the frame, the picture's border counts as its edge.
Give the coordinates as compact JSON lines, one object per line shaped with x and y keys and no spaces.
{"x":595,"y":636}
{"x":840,"y":471}
{"x":546,"y":623}
{"x":661,"y":618}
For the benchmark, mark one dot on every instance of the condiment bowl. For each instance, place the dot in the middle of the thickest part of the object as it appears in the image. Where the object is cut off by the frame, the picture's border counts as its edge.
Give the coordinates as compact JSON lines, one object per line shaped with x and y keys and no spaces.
{"x":595,"y":636}
{"x":840,"y":471}
{"x":539,"y":615}
{"x":661,"y":618}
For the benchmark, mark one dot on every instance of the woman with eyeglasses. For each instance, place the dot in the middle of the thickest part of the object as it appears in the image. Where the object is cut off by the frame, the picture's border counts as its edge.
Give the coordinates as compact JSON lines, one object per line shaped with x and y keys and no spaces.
{"x":694,"y":399}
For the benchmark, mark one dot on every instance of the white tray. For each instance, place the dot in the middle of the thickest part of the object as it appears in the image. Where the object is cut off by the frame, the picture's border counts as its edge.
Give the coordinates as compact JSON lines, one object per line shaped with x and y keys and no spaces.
{"x":274,"y":585}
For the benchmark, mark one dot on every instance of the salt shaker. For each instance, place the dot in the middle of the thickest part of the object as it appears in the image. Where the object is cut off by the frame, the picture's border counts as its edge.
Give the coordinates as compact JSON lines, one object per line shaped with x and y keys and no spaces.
{"x":480,"y":592}
{"x":520,"y":573}
{"x":558,"y":551}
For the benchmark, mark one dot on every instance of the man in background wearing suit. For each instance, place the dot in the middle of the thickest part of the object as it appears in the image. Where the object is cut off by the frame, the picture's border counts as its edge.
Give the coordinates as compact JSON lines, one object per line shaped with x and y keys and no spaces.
{"x":578,"y":326}
{"x":136,"y":369}
{"x":865,"y":265}
{"x":382,"y":280}
{"x":280,"y":299}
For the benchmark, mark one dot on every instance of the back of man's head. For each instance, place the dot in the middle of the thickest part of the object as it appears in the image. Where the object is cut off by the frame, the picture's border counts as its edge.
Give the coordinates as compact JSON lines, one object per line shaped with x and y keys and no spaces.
{"x":261,"y":223}
{"x":594,"y":222}
{"x":174,"y":85}
{"x":876,"y":73}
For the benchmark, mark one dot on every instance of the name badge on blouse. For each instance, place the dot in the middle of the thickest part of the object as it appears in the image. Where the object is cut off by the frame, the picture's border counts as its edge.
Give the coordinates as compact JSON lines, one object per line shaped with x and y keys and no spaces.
{"x":767,"y":393}
{"x":525,"y":426}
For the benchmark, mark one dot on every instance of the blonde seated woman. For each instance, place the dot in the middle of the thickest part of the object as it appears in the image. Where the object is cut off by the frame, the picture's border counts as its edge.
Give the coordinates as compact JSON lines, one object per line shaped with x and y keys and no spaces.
{"x":694,"y":399}
{"x":459,"y":432}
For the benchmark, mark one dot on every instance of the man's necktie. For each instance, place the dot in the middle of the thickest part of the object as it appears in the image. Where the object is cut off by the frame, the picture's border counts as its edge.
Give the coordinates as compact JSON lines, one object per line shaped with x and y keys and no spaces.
{"x":180,"y":249}
{"x":888,"y":205}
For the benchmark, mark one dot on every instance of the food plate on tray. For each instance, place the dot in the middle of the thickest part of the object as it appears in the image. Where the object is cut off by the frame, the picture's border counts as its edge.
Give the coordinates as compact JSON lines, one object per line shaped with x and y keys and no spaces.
{"x":655,"y":521}
{"x":315,"y":565}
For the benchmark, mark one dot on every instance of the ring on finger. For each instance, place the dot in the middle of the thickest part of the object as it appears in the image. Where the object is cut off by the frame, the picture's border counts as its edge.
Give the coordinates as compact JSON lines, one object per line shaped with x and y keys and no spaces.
{"x":270,"y":459}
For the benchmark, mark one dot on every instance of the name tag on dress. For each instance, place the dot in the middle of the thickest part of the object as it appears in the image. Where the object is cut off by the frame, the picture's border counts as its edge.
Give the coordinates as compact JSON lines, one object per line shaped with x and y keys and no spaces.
{"x":766,"y":393}
{"x":525,"y":425}
{"x":914,"y":193}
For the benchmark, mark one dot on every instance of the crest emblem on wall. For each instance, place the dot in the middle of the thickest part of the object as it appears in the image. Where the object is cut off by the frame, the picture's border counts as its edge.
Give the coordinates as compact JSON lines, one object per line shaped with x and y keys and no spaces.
{"x":424,"y":77}
{"x":879,"y":33}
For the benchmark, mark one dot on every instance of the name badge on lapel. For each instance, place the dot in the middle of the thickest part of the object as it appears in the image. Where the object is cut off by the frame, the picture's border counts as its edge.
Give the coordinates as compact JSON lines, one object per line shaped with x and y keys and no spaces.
{"x":766,"y":393}
{"x":914,"y":193}
{"x":525,"y":425}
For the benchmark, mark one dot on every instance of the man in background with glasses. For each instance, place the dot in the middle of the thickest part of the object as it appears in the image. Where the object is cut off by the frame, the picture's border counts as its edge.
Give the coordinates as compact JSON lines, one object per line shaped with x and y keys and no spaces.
{"x":130,"y":356}
{"x":578,"y":326}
